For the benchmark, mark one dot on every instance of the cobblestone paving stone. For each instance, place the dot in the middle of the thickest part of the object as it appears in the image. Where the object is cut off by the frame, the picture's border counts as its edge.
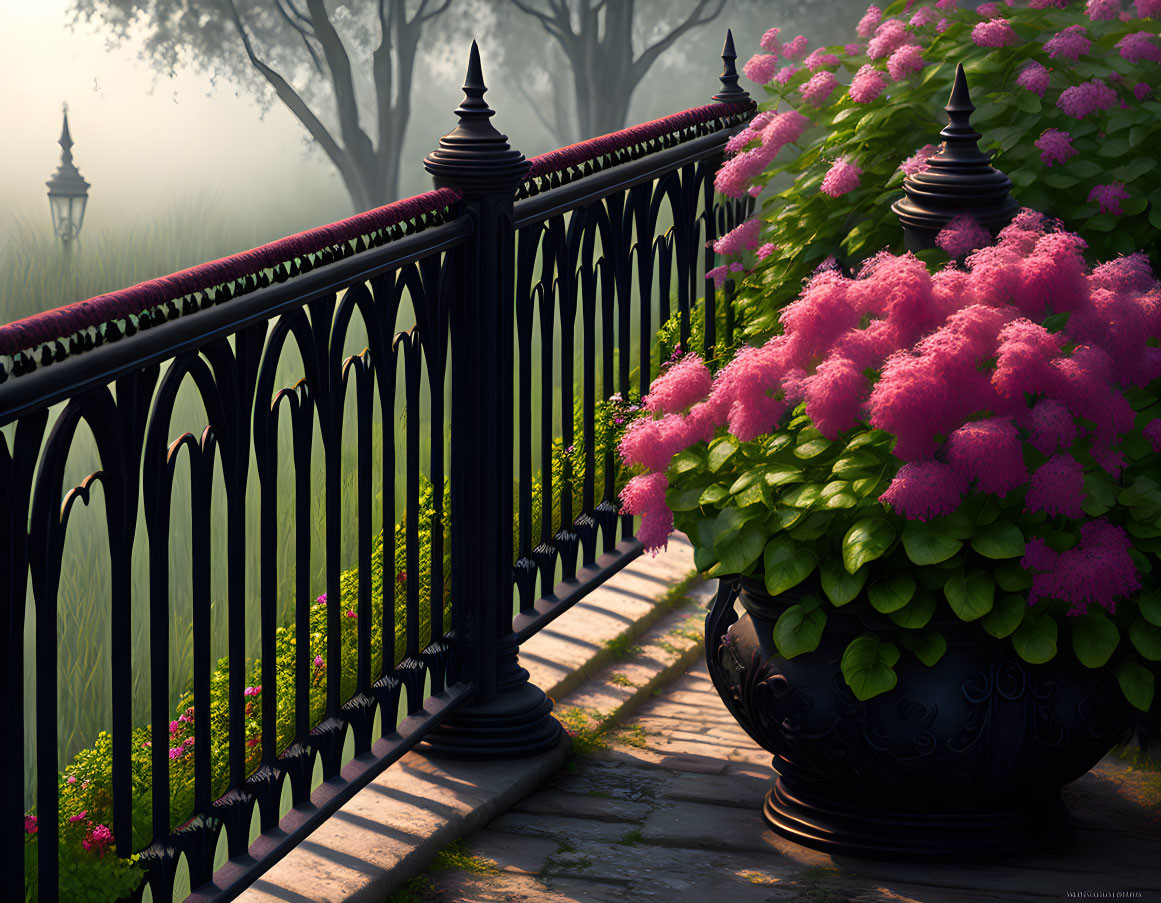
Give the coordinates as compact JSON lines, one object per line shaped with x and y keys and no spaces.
{"x":670,"y":810}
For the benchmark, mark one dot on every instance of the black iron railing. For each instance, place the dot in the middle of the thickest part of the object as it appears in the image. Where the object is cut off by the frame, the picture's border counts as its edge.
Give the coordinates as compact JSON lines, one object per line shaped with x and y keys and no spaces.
{"x":294,"y":346}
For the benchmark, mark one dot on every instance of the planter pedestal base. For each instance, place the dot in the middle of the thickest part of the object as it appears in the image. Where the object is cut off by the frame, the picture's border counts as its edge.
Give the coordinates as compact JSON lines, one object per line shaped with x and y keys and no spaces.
{"x":852,"y":830}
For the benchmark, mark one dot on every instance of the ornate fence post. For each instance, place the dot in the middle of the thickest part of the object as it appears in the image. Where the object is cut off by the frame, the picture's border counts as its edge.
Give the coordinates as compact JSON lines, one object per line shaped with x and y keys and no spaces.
{"x":508,"y":717}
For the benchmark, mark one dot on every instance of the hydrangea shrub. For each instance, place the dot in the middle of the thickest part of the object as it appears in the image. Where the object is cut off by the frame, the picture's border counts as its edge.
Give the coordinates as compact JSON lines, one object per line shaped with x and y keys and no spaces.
{"x":1065,"y":98}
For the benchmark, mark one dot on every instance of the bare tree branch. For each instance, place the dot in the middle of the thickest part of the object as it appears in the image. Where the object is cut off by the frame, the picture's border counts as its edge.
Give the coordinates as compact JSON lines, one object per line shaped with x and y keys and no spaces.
{"x":431,"y":15}
{"x":302,"y":32}
{"x":299,"y":14}
{"x":381,"y":70}
{"x":646,"y":59}
{"x":551,"y":25}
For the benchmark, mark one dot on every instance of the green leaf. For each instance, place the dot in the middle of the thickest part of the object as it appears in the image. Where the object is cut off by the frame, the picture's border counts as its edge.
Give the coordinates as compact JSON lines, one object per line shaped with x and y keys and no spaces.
{"x":803,"y":496}
{"x":867,"y":539}
{"x":1035,"y":639}
{"x":743,"y":481}
{"x":1001,"y":539}
{"x":1136,"y":683}
{"x":721,"y":450}
{"x":970,"y":596}
{"x":1027,"y":102}
{"x":787,"y":517}
{"x":756,"y":493}
{"x":841,"y":587}
{"x":799,"y":629}
{"x":1012,"y":577}
{"x":703,"y":558}
{"x":867,"y":666}
{"x":1006,"y":615}
{"x":1094,"y":639}
{"x":812,"y":447}
{"x":683,"y":499}
{"x":1136,"y":167}
{"x":928,"y":648}
{"x":782,"y":473}
{"x":713,"y":494}
{"x":852,"y":463}
{"x":786,"y":564}
{"x":893,"y":593}
{"x":916,"y":613}
{"x":686,"y":460}
{"x":1149,"y":602}
{"x":739,"y":551}
{"x":812,"y":527}
{"x":925,"y":545}
{"x":1146,"y":638}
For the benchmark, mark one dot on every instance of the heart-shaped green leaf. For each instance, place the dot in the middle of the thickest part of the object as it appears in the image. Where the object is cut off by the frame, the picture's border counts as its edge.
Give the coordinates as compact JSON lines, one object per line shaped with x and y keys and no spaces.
{"x":970,"y":595}
{"x":683,"y":499}
{"x":786,"y":564}
{"x":799,"y":629}
{"x":1146,"y":638}
{"x":782,"y":473}
{"x":756,"y":493}
{"x":1006,"y":614}
{"x":1001,"y":539}
{"x":916,"y":613}
{"x":1136,"y":683}
{"x":1035,"y":639}
{"x":928,"y":648}
{"x":1094,"y":639}
{"x":703,"y":558}
{"x":926,"y":545}
{"x":686,"y":460}
{"x":855,"y":462}
{"x":893,"y":593}
{"x":1149,"y":603}
{"x":743,"y":481}
{"x":867,"y":666}
{"x":1012,"y":577}
{"x":867,"y":539}
{"x":839,"y":585}
{"x":802,"y":496}
{"x":712,"y":495}
{"x":738,"y":551}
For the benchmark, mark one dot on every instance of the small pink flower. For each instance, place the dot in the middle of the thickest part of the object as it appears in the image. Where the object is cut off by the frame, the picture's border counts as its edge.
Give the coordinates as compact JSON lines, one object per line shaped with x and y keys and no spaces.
{"x":853,"y":49}
{"x":30,"y":826}
{"x":351,"y":614}
{"x":253,"y":741}
{"x":251,"y":691}
{"x":1084,"y":99}
{"x":72,"y":779}
{"x":766,"y":250}
{"x":740,"y":238}
{"x":1055,"y":146}
{"x":925,"y":489}
{"x":819,"y":58}
{"x":917,"y":162}
{"x":760,"y":68}
{"x":1069,"y":45}
{"x":904,"y":62}
{"x":754,"y":190}
{"x":1147,"y":9}
{"x":401,"y":577}
{"x":1141,"y":90}
{"x":925,"y":15}
{"x":988,"y":10}
{"x":769,"y":41}
{"x":819,"y":88}
{"x":783,"y":75}
{"x":175,"y":752}
{"x":942,"y":25}
{"x":870,"y":20}
{"x":1034,"y":77}
{"x":889,"y":37}
{"x":1057,"y":487}
{"x":718,"y":275}
{"x":322,"y":600}
{"x":1102,"y":10}
{"x":99,"y":840}
{"x":318,"y":661}
{"x":867,"y":84}
{"x":1044,"y":4}
{"x":794,"y":48}
{"x":995,"y":33}
{"x":842,"y":177}
{"x":945,"y":4}
{"x":80,"y":817}
{"x":962,"y":235}
{"x":1109,"y":197}
{"x":1139,"y":47}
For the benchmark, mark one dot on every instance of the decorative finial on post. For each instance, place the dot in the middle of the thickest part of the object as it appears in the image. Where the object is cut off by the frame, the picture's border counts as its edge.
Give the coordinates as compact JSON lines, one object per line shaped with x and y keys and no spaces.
{"x":959,"y":180}
{"x":474,"y":152}
{"x":68,"y":192}
{"x":730,"y":92}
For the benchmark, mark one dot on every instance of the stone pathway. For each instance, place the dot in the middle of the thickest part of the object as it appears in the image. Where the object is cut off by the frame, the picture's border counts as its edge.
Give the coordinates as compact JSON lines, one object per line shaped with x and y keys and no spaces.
{"x":669,"y":810}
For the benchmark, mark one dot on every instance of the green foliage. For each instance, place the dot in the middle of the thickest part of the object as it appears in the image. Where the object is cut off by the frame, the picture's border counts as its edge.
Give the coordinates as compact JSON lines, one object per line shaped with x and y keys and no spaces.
{"x":1112,"y":146}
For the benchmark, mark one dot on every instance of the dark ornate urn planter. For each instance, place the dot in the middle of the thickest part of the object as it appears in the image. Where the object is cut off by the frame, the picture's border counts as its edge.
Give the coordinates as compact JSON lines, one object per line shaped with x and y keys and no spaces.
{"x":961,"y":761}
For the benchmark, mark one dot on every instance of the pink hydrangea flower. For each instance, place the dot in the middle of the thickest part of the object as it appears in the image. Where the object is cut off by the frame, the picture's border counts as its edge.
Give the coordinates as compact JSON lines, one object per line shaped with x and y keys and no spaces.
{"x":30,"y":826}
{"x":1148,"y":9}
{"x":925,"y":489}
{"x":819,"y":88}
{"x":760,"y":68}
{"x":1084,"y":99}
{"x":1109,"y":197}
{"x":988,"y":10}
{"x":990,"y":452}
{"x":1034,"y":77}
{"x":852,"y":49}
{"x":1069,"y":45}
{"x":654,"y":442}
{"x":1102,"y":10}
{"x":1044,"y":4}
{"x":1057,"y":487}
{"x":1152,"y":432}
{"x":925,"y":15}
{"x":318,"y":661}
{"x":917,"y":162}
{"x":816,"y":59}
{"x":1098,"y":570}
{"x":1141,"y":90}
{"x":252,"y":691}
{"x":718,"y":275}
{"x":1055,"y":146}
{"x":994,"y":33}
{"x":740,"y":238}
{"x":740,"y":140}
{"x":842,"y":177}
{"x":961,"y":235}
{"x":783,"y":75}
{"x":681,"y":385}
{"x":99,"y":840}
{"x":889,"y":37}
{"x":905,"y":61}
{"x":1051,"y":427}
{"x":945,"y":4}
{"x":1139,"y":47}
{"x":769,"y":41}
{"x":871,"y":18}
{"x":794,"y":48}
{"x":766,"y":250}
{"x":942,"y":25}
{"x":867,"y":84}
{"x":835,"y":394}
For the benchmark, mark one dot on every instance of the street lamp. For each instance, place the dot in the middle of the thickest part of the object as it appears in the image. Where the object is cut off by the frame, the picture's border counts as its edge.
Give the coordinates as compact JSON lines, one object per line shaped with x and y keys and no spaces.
{"x":67,"y":191}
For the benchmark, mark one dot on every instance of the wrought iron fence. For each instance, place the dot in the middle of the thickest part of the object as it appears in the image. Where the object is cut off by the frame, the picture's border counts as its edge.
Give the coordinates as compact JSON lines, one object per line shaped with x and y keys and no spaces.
{"x":267,"y":750}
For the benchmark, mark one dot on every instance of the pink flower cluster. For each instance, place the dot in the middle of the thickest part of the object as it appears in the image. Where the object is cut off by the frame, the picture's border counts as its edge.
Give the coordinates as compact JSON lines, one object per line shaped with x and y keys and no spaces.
{"x":818,"y":89}
{"x":740,"y":238}
{"x":1139,"y":47}
{"x":1086,"y":98}
{"x":905,"y":61}
{"x":760,"y":68}
{"x":736,"y":175}
{"x":890,"y":35}
{"x":1109,"y":197}
{"x":925,"y":15}
{"x":1148,"y":9}
{"x":842,"y":177}
{"x":1069,"y":45}
{"x":1097,"y":570}
{"x":995,"y":33}
{"x":962,"y":235}
{"x":98,"y":840}
{"x":870,"y":20}
{"x":867,"y":84}
{"x":1033,"y":77}
{"x":1100,"y":10}
{"x":819,"y":58}
{"x":917,"y":162}
{"x":1055,"y":146}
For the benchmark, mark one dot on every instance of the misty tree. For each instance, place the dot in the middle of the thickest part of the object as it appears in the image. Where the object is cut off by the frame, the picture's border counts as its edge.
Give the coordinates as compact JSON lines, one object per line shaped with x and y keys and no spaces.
{"x":343,"y":70}
{"x":596,"y":39}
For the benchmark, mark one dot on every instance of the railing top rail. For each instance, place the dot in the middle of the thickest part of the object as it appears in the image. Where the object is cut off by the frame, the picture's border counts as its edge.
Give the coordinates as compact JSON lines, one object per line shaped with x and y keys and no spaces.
{"x":603,"y":151}
{"x":74,"y":321}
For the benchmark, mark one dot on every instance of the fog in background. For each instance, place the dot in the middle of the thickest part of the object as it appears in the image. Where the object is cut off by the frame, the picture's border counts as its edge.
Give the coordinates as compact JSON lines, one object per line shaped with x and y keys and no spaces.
{"x":152,"y":143}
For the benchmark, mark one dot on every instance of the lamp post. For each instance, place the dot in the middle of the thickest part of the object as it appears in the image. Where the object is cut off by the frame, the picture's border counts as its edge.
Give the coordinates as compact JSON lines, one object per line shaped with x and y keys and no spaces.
{"x":67,"y":191}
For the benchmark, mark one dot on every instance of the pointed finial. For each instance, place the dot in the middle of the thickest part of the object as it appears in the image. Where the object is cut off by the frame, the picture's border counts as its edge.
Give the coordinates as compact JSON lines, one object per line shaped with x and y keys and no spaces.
{"x":65,"y":140}
{"x":958,"y":180}
{"x":730,"y":92}
{"x":474,"y":153}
